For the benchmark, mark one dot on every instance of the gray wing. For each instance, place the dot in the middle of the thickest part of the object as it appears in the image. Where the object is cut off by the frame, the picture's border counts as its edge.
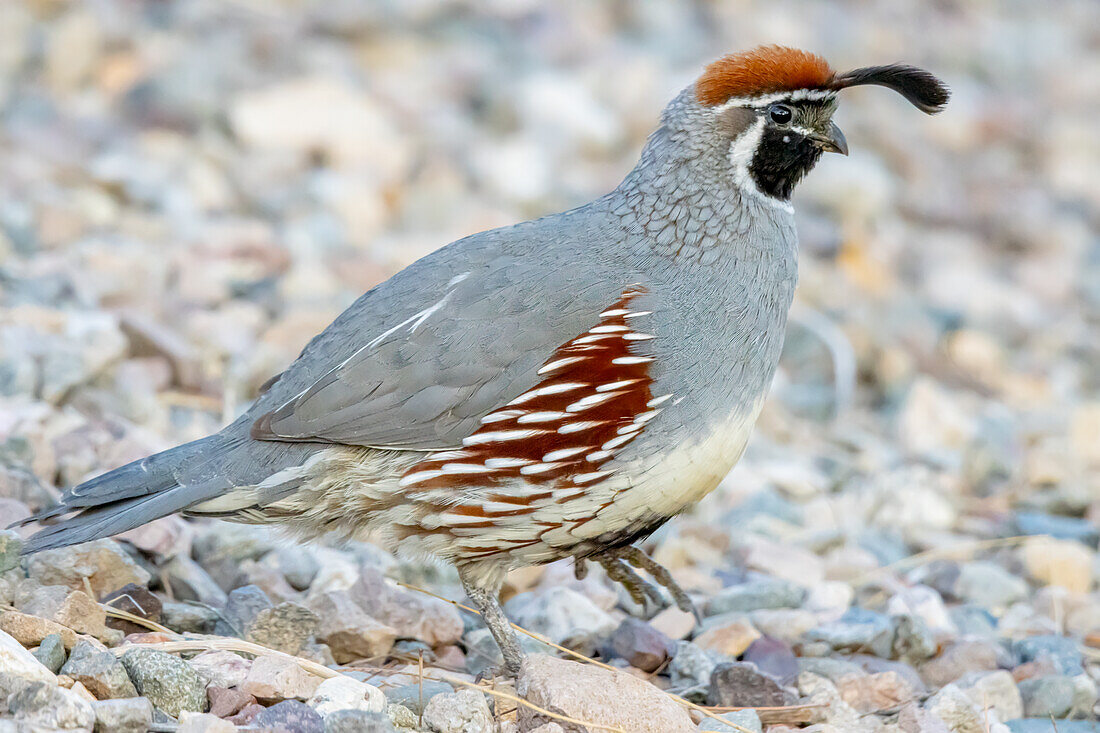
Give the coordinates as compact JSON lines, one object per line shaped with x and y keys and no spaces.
{"x":419,"y":360}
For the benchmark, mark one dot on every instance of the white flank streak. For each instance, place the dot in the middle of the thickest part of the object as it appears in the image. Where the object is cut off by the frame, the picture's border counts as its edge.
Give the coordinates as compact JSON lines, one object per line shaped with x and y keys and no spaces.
{"x":616,"y":442}
{"x":658,"y":400}
{"x":616,"y":385}
{"x":635,"y":314}
{"x":506,"y":462}
{"x":591,"y":401}
{"x":608,"y":329}
{"x":539,"y":468}
{"x":415,"y":478}
{"x":628,"y":429}
{"x":593,"y":338}
{"x":637,"y":336}
{"x":614,"y":312}
{"x":543,"y":417}
{"x":557,"y":455}
{"x":587,"y":478}
{"x":576,"y":427}
{"x":559,"y":363}
{"x":449,"y":455}
{"x":479,"y":438}
{"x":547,"y":390}
{"x":501,"y":415}
{"x":644,"y":417}
{"x":465,"y":468}
{"x":599,"y":455}
{"x":628,"y":360}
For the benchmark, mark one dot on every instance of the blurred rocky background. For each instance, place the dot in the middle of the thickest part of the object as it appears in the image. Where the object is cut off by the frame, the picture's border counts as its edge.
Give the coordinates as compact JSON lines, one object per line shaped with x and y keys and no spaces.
{"x":190,"y":189}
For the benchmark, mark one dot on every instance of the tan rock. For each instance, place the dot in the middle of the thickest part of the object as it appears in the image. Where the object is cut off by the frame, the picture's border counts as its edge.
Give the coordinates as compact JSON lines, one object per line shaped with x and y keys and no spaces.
{"x":103,"y":562}
{"x":674,"y":623}
{"x":348,"y":630}
{"x":731,"y":639}
{"x":279,"y":678}
{"x":1059,"y":562}
{"x":597,"y":695}
{"x":873,"y":692}
{"x":30,"y":630}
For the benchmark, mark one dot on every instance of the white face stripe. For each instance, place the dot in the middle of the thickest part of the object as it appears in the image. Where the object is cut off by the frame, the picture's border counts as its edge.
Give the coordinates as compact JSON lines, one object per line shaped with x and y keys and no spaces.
{"x":743,"y":147}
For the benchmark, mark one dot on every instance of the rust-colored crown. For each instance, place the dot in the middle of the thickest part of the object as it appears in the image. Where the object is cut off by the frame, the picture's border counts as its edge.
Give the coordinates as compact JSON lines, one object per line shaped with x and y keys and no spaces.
{"x":763,"y":70}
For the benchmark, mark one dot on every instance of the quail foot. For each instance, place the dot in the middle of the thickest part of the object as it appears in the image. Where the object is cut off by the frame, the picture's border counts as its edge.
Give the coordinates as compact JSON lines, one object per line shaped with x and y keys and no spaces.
{"x":558,"y":388}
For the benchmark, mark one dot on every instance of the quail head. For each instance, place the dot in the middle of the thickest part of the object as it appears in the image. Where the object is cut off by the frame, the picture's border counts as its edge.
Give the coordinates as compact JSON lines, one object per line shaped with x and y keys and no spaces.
{"x":557,"y":388}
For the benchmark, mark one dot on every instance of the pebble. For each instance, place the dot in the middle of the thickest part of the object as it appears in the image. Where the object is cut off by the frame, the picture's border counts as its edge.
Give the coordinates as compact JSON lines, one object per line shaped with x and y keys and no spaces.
{"x":960,"y":658}
{"x":349,"y":631}
{"x":873,"y":693}
{"x":15,"y":660}
{"x":44,"y":706}
{"x":279,"y":678}
{"x":99,"y":671}
{"x":857,"y":630}
{"x":345,"y":693}
{"x":729,"y":635}
{"x":464,"y":711}
{"x":358,"y":721}
{"x":285,"y":627}
{"x":51,"y":652}
{"x":412,"y":615}
{"x":221,"y":668}
{"x":757,"y":593}
{"x":168,"y":681}
{"x":189,"y":617}
{"x":563,"y":616}
{"x":130,"y":715}
{"x":416,"y":696}
{"x":691,"y":665}
{"x":989,"y":585}
{"x":104,"y":563}
{"x":203,"y":723}
{"x":640,"y":645}
{"x":598,"y":695}
{"x":289,"y":716}
{"x":137,"y":600}
{"x":774,"y":658}
{"x":743,"y":719}
{"x":226,"y":702}
{"x":740,"y":684}
{"x":995,"y":691}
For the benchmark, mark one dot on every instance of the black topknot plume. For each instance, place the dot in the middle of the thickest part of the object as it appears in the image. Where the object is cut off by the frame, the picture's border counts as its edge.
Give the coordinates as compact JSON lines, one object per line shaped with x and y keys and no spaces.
{"x":922,"y":89}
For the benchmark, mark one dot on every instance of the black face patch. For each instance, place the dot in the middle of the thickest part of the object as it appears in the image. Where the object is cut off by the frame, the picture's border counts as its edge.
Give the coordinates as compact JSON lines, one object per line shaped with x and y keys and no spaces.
{"x":782,"y":159}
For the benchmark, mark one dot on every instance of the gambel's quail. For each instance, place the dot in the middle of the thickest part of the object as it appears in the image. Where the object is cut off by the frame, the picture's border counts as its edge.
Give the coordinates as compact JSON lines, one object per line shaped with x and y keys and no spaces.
{"x":558,"y":388}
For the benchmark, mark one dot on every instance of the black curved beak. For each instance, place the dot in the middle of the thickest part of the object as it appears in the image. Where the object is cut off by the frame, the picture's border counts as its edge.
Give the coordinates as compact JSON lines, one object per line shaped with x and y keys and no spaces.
{"x":832,"y":140}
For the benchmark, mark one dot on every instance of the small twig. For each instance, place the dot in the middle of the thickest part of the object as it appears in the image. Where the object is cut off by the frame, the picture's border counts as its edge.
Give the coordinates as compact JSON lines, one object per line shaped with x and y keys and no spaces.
{"x":942,"y":553}
{"x":232,"y":645}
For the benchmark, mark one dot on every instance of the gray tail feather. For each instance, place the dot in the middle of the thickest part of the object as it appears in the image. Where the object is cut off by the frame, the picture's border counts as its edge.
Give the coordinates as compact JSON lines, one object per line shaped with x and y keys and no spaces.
{"x":109,"y":519}
{"x":127,"y":497}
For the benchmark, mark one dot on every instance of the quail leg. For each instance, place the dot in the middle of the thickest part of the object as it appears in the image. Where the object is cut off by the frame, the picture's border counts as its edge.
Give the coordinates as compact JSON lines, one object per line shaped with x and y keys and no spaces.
{"x":488,"y":603}
{"x":615,"y":562}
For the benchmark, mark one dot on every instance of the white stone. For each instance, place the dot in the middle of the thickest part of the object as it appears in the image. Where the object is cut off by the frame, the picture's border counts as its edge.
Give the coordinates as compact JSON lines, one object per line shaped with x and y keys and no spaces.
{"x":346,"y":693}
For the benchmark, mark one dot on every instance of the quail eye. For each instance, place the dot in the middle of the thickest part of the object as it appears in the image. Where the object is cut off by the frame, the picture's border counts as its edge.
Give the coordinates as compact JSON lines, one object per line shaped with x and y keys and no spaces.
{"x":781,"y":114}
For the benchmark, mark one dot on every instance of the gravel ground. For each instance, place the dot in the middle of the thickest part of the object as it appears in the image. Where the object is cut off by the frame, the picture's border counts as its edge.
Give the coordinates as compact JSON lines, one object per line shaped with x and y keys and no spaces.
{"x":190,"y":190}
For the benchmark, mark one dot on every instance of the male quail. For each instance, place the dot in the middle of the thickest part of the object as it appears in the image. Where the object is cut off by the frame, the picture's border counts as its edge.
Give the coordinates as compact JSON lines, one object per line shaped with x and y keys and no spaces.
{"x":558,"y":388}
